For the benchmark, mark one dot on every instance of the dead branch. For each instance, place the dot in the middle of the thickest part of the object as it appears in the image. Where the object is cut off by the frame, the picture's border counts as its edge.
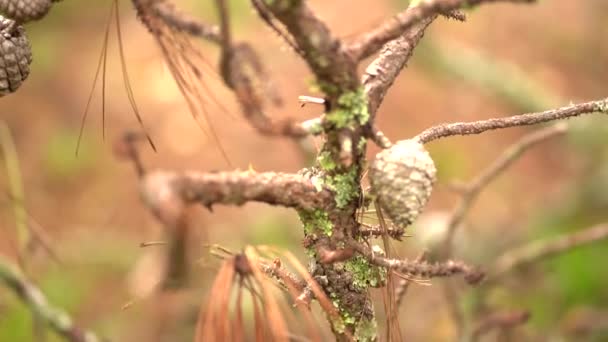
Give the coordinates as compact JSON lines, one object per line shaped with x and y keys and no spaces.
{"x":377,"y":231}
{"x":245,"y":74}
{"x":404,"y":283}
{"x":477,"y":127}
{"x":287,"y":280}
{"x":500,"y":320}
{"x":370,"y":42}
{"x":382,"y":72}
{"x":322,"y":51}
{"x":539,"y":250}
{"x":161,"y":190}
{"x":471,"y":190}
{"x":178,"y":20}
{"x":422,"y":269}
{"x":31,"y":296}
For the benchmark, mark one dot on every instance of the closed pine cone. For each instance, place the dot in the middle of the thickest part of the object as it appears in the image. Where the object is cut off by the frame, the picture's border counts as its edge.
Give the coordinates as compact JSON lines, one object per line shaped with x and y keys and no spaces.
{"x":15,"y":58}
{"x":402,"y":178}
{"x":23,"y":11}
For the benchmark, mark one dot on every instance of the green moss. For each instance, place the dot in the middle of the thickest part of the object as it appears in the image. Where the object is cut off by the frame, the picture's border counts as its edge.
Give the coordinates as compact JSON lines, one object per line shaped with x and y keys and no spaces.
{"x":282,"y":5}
{"x":602,"y":106}
{"x":323,"y":87}
{"x":316,"y":221}
{"x":352,"y":110}
{"x":326,"y":162}
{"x":366,"y":330}
{"x":345,"y":186}
{"x":362,"y":144}
{"x":365,"y":274}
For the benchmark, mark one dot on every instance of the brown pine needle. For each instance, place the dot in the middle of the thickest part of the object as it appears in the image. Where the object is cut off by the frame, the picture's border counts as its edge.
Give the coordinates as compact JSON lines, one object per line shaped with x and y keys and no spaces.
{"x":125,"y":77}
{"x":102,"y":59}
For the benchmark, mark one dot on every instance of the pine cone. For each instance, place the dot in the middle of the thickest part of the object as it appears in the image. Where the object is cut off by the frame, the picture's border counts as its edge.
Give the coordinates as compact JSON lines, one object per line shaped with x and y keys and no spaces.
{"x":15,"y":57}
{"x":402,"y":178}
{"x":23,"y":11}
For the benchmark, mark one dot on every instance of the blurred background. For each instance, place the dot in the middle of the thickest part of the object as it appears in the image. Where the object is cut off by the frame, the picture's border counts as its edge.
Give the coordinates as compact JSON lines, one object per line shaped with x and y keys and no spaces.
{"x":505,"y":60}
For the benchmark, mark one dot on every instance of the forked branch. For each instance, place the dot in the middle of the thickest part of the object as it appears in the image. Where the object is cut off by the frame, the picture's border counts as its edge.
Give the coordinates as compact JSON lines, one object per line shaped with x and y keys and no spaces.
{"x":499,"y":320}
{"x":421,"y":268}
{"x":173,"y":17}
{"x":382,"y":72}
{"x":539,"y":250}
{"x":31,"y":296}
{"x":471,"y":190}
{"x":370,"y":42}
{"x":235,"y":188}
{"x":477,"y":127}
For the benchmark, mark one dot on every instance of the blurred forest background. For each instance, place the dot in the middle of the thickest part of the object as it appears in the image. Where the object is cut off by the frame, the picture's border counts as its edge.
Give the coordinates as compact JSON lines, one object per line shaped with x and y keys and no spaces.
{"x":505,"y":60}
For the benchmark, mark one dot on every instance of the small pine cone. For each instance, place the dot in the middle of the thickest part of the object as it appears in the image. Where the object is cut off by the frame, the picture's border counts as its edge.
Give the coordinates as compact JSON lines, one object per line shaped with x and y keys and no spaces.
{"x":15,"y":58}
{"x":402,"y":178}
{"x":23,"y":11}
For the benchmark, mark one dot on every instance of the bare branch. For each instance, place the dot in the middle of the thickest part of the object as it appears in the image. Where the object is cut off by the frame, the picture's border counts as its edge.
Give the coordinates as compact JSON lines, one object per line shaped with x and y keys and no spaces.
{"x":538,"y":250}
{"x":372,"y":41}
{"x":245,"y":74}
{"x":56,"y":319}
{"x":377,"y":230}
{"x":422,"y":269}
{"x":404,"y":283}
{"x":382,"y":72}
{"x":477,"y":127}
{"x":162,"y":189}
{"x":174,"y":18}
{"x":500,"y":320}
{"x":286,"y":279}
{"x":471,"y":190}
{"x":268,"y":18}
{"x":322,"y":51}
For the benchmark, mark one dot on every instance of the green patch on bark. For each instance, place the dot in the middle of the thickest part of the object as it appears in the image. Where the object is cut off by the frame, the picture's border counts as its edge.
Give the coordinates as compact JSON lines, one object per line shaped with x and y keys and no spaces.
{"x":326,"y":161}
{"x":365,"y":274}
{"x":352,"y":110}
{"x":315,"y":222}
{"x":362,"y":144}
{"x":602,"y":106}
{"x":345,"y":186}
{"x":282,"y":5}
{"x":365,"y":329}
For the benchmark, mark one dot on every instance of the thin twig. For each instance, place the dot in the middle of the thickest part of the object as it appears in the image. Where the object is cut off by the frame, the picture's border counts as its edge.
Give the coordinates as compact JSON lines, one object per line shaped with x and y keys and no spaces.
{"x":174,"y":18}
{"x":56,"y":318}
{"x":372,"y":41}
{"x":404,"y":283}
{"x":471,"y":191}
{"x":382,"y":72}
{"x":422,"y":269}
{"x":477,"y":127}
{"x":539,"y":250}
{"x":499,"y":320}
{"x":174,"y":190}
{"x":322,"y":51}
{"x":268,"y":18}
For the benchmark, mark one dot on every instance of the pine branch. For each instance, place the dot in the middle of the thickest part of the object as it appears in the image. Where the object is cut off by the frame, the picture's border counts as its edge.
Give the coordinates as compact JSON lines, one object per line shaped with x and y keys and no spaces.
{"x":31,"y":296}
{"x":499,"y":320}
{"x":477,"y":127}
{"x":382,"y":72}
{"x":471,"y":190}
{"x":370,"y":42}
{"x":539,"y":250}
{"x":172,"y":191}
{"x":421,"y":268}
